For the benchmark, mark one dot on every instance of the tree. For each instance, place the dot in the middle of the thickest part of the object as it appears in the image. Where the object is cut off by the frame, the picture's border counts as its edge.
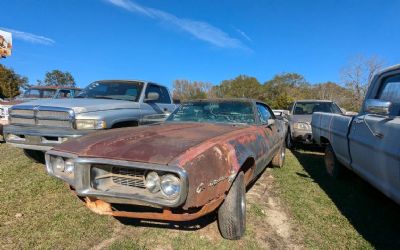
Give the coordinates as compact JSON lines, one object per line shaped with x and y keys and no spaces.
{"x":58,"y":78}
{"x":357,"y":75}
{"x":10,"y":82}
{"x":187,"y":90}
{"x":332,"y":91}
{"x":240,"y":87}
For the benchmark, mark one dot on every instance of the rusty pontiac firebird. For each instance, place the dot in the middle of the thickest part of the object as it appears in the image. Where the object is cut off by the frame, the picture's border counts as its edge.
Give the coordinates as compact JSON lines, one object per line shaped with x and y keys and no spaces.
{"x":201,"y":159}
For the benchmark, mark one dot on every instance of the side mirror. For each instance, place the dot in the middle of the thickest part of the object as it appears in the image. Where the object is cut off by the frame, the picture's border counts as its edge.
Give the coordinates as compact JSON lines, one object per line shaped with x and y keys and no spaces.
{"x":152,"y":96}
{"x":270,"y":122}
{"x":377,"y":107}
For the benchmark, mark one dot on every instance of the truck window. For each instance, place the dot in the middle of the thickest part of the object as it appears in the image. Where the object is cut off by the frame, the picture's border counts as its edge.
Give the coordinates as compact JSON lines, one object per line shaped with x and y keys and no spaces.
{"x":162,"y":92}
{"x":390,"y":91}
{"x":64,"y":93}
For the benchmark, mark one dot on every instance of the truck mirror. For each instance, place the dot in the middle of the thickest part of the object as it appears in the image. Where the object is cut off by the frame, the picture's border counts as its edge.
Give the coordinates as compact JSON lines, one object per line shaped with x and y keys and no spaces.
{"x":152,"y":96}
{"x":377,"y":107}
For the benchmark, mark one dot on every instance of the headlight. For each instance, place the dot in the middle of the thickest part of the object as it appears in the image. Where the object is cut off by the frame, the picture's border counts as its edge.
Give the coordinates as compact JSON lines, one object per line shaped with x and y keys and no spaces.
{"x":170,"y":185}
{"x":90,"y":124}
{"x":302,"y":126}
{"x":61,"y":168}
{"x":152,"y":182}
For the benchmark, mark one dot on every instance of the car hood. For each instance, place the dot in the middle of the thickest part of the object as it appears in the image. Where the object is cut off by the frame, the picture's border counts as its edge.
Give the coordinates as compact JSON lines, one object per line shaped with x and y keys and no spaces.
{"x":301,"y":118}
{"x":83,"y":105}
{"x":158,"y":144}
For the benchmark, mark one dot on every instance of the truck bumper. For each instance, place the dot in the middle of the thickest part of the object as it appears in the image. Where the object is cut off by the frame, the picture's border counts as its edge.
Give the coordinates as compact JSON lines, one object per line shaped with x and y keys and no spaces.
{"x":303,"y":136}
{"x":39,"y":138}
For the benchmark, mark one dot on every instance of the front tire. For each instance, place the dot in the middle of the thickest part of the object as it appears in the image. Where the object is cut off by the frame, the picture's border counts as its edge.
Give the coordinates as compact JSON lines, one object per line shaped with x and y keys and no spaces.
{"x":232,"y":213}
{"x":279,"y":158}
{"x":333,"y":167}
{"x":289,"y":141}
{"x":36,"y":156}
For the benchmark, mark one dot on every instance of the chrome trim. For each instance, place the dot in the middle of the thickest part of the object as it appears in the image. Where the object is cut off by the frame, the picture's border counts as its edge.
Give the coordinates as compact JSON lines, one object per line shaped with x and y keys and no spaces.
{"x":82,"y":179}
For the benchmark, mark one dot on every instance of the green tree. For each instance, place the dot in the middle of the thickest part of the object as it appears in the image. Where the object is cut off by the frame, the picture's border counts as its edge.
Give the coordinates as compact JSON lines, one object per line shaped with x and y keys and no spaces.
{"x":240,"y":87}
{"x":58,"y":78}
{"x":10,"y":82}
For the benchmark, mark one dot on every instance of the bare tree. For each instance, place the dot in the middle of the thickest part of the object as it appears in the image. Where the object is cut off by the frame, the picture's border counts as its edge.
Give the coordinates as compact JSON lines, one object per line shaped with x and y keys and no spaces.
{"x":188,"y":90}
{"x":358,"y":74}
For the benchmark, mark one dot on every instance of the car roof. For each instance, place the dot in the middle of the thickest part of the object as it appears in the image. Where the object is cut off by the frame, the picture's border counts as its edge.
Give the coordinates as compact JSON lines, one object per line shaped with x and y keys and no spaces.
{"x":313,"y":100}
{"x":53,"y":87}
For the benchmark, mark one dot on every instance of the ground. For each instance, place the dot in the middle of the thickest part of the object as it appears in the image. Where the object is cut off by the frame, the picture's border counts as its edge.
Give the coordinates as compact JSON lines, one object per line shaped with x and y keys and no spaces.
{"x":295,"y":207}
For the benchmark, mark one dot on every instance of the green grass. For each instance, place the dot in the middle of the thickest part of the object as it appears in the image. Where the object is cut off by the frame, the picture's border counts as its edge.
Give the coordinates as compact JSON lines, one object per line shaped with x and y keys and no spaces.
{"x":345,"y":213}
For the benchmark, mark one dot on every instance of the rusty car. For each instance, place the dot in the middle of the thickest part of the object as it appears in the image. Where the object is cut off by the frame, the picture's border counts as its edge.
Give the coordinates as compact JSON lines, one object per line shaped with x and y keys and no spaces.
{"x":200,"y":160}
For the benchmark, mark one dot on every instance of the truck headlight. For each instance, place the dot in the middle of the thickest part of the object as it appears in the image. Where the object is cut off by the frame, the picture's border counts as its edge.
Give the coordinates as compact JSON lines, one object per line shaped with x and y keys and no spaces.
{"x":90,"y":124}
{"x":302,"y":126}
{"x":170,"y":185}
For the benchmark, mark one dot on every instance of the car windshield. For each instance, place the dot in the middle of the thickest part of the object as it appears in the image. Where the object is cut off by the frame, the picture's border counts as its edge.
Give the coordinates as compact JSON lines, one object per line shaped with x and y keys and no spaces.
{"x":214,"y":112}
{"x":307,"y":108}
{"x":128,"y":91}
{"x":39,"y":93}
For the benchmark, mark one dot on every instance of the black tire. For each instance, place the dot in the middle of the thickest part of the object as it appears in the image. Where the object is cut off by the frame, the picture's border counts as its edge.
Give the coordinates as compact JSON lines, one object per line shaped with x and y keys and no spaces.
{"x":36,"y":156}
{"x":333,"y":167}
{"x":289,"y":141}
{"x":232,"y":213}
{"x":279,"y":158}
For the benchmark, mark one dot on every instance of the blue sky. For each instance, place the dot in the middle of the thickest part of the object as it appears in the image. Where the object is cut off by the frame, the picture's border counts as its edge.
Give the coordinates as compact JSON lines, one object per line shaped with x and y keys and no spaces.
{"x":197,"y":40}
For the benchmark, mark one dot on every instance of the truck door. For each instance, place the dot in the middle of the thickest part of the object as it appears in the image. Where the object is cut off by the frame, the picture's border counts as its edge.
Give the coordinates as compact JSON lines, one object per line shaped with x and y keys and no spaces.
{"x":157,"y":110}
{"x":374,"y":141}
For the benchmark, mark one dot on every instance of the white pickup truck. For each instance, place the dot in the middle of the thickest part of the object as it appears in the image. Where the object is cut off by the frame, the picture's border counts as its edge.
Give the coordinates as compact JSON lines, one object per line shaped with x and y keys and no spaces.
{"x":369,"y":142}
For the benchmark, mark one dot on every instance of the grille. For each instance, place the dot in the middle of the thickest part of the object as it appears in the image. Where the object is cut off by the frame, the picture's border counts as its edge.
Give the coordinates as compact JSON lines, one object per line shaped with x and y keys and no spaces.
{"x":16,"y":120}
{"x":128,"y":177}
{"x":50,"y":118}
{"x":22,"y":112}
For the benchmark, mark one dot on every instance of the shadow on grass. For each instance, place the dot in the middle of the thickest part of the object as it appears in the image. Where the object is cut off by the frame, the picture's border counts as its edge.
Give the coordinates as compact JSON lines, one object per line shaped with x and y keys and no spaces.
{"x":372,"y":214}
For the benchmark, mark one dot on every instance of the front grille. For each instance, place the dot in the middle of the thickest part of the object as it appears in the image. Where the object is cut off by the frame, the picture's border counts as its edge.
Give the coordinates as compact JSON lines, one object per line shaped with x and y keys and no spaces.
{"x":26,"y":121}
{"x":128,"y":177}
{"x":41,"y":116}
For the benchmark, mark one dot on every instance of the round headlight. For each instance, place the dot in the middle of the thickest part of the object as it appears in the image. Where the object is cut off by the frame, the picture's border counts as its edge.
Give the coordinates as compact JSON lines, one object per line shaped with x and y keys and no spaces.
{"x":59,"y":164}
{"x":152,"y":182}
{"x":69,"y":166}
{"x":170,"y":185}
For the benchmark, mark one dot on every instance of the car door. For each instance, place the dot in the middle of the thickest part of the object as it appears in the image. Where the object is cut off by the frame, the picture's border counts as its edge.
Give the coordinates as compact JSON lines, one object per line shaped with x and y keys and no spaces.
{"x":271,"y":132}
{"x":374,"y":141}
{"x":156,"y":110}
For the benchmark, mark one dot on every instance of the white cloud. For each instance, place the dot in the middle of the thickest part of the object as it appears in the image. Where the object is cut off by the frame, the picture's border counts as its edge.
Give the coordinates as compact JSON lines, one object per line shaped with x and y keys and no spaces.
{"x":29,"y":37}
{"x":200,"y":30}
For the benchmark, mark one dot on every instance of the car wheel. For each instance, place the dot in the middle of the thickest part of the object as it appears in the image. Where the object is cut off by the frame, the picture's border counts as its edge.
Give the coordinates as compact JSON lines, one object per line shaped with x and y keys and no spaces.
{"x":232,"y":213}
{"x":36,"y":156}
{"x":279,"y":158}
{"x":289,"y":141}
{"x":333,"y":167}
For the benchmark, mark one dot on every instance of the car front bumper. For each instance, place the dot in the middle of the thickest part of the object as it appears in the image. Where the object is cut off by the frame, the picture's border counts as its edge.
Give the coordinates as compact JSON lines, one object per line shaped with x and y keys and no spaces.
{"x":304,"y":136}
{"x":39,"y":138}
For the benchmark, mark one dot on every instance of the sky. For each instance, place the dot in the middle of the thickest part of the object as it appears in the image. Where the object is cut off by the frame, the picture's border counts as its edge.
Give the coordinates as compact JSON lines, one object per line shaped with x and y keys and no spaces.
{"x":211,"y":41}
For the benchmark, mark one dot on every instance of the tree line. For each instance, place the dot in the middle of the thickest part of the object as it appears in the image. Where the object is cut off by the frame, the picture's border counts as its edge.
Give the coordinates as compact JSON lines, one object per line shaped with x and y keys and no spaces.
{"x":278,"y":92}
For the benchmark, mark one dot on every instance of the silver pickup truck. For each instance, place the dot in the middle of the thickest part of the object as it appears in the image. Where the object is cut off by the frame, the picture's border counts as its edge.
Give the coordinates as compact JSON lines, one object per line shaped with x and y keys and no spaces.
{"x":39,"y":125}
{"x":368,"y":143}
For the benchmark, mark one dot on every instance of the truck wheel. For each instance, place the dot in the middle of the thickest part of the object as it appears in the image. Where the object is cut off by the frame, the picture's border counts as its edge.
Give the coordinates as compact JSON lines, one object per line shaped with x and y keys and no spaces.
{"x":232,"y":213}
{"x":333,"y":167}
{"x":279,"y":158}
{"x":36,"y":156}
{"x":289,"y":141}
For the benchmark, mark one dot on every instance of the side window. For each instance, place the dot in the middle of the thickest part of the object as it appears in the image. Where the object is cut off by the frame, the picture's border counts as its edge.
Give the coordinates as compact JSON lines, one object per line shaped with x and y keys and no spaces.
{"x":64,"y":93}
{"x":390,"y":91}
{"x":165,"y":98}
{"x":263,"y":113}
{"x":154,"y":88}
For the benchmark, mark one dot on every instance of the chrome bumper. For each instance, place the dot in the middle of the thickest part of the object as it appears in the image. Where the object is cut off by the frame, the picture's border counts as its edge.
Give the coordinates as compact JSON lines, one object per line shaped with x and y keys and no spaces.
{"x":39,"y":138}
{"x":84,"y":176}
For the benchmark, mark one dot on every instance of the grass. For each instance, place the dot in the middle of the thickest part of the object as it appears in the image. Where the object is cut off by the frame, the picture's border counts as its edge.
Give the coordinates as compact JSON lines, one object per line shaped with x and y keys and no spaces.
{"x":39,"y":212}
{"x":346,"y":213}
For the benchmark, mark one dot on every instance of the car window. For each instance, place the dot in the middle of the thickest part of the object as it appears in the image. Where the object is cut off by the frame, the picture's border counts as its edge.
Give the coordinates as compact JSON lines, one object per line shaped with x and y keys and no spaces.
{"x":390,"y":91}
{"x":308,"y":108}
{"x":263,"y":113}
{"x":162,"y":92}
{"x":64,"y":93}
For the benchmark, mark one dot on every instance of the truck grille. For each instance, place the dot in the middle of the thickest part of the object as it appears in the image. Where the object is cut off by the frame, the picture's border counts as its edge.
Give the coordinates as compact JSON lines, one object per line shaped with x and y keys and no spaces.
{"x":41,"y":116}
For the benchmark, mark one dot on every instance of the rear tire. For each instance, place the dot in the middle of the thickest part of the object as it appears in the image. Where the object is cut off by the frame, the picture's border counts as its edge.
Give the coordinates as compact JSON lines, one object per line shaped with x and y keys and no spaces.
{"x":232,"y":213}
{"x":36,"y":156}
{"x":289,"y":141}
{"x":279,"y":158}
{"x":333,"y":167}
